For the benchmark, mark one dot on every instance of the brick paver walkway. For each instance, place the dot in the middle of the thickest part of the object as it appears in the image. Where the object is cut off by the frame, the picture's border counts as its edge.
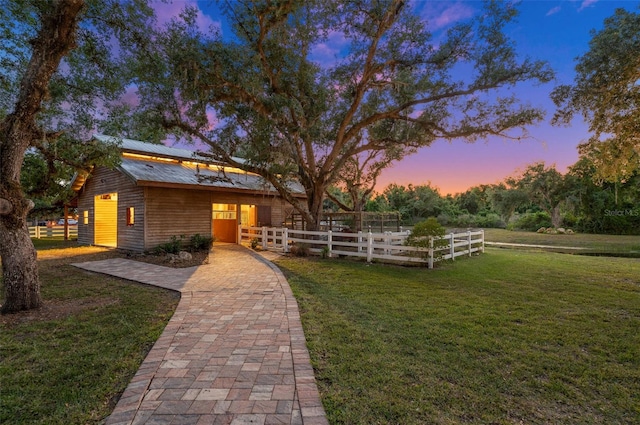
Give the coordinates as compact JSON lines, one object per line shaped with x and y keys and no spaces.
{"x":233,"y":352}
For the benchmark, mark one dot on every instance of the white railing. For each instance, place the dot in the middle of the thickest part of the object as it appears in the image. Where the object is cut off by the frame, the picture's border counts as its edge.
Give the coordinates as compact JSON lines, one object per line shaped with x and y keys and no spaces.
{"x":39,"y":232}
{"x":388,"y":246}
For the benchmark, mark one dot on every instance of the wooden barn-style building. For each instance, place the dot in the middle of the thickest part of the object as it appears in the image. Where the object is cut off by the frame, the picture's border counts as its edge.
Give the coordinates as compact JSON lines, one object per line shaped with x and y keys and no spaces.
{"x":158,"y":192}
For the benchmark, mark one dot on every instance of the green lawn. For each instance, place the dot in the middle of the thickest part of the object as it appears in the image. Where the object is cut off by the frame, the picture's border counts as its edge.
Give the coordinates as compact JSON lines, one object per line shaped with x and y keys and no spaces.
{"x":614,"y":244}
{"x":68,"y":362}
{"x":508,"y":337}
{"x":53,"y":243}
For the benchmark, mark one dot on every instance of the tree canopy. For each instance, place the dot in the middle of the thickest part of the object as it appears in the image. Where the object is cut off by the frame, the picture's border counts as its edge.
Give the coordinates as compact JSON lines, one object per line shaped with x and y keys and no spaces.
{"x":260,"y":93}
{"x":61,"y":76}
{"x":83,"y":95}
{"x":607,"y":94}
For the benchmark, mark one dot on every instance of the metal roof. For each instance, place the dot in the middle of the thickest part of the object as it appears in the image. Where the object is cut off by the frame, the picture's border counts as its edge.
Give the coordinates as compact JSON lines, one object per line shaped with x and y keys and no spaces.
{"x":206,"y":174}
{"x":154,"y":149}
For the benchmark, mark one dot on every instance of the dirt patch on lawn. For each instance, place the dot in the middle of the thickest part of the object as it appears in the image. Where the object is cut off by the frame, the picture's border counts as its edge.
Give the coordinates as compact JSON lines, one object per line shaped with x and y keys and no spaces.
{"x":55,"y":310}
{"x":53,"y":262}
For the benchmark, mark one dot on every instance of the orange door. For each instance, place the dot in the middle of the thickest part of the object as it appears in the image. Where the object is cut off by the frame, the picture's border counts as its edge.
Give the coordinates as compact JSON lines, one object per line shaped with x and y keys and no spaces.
{"x":225,"y":230}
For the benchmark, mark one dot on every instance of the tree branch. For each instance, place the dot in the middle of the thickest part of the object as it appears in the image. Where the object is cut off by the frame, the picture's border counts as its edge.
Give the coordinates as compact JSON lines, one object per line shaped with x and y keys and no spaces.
{"x":57,"y":36}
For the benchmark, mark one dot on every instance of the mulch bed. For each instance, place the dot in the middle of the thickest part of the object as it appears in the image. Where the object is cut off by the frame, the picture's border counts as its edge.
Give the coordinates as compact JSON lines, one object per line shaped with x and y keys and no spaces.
{"x":198,"y":258}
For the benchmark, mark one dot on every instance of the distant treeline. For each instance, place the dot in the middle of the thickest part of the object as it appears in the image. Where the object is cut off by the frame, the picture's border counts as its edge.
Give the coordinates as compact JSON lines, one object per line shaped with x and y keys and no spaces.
{"x":538,"y":197}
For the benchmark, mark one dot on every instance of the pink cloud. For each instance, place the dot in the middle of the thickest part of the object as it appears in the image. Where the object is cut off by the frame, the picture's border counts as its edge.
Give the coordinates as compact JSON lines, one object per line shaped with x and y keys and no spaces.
{"x":212,"y":118}
{"x":327,"y":52}
{"x":322,"y":52}
{"x":586,"y":3}
{"x":130,"y":96}
{"x":553,"y":11}
{"x":443,"y":14}
{"x":452,"y":15}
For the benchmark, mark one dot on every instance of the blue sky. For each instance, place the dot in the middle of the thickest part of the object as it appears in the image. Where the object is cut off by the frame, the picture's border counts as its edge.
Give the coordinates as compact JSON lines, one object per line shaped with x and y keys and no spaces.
{"x":557,"y":31}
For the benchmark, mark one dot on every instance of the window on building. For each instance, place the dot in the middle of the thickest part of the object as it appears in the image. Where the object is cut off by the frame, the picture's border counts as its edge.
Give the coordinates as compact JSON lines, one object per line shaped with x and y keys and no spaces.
{"x":224,"y":212}
{"x":85,"y":217}
{"x":130,"y":216}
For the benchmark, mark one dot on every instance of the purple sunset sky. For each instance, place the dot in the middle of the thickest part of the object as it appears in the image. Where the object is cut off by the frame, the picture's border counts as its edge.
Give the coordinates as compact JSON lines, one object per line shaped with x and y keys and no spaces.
{"x":557,"y":31}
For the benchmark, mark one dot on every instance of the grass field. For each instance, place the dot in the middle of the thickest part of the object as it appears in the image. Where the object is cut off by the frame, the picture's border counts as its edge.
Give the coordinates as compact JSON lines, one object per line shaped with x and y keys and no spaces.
{"x":510,"y":337}
{"x":55,"y":242}
{"x":68,"y":362}
{"x":588,"y":242}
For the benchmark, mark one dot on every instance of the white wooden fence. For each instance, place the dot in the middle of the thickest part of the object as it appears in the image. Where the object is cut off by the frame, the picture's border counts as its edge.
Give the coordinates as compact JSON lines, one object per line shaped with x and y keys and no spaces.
{"x":39,"y":232}
{"x":388,"y":246}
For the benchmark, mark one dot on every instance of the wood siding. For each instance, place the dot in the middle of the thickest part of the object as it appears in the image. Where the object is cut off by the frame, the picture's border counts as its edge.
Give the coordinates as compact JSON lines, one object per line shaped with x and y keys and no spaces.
{"x":172,"y":212}
{"x":159,"y":212}
{"x":103,"y":181}
{"x":131,"y":237}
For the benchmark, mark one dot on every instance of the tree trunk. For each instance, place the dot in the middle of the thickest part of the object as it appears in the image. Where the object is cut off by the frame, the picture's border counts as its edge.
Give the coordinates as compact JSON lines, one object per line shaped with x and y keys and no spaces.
{"x":315,"y":197}
{"x":556,"y":217}
{"x":18,"y":131}
{"x":19,"y":266}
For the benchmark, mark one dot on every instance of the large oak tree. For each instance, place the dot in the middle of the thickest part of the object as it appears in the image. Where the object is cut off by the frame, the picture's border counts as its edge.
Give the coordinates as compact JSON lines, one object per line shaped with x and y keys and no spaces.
{"x":606,"y":94}
{"x":18,"y":130}
{"x":292,"y":117}
{"x":545,"y":187}
{"x":60,"y":78}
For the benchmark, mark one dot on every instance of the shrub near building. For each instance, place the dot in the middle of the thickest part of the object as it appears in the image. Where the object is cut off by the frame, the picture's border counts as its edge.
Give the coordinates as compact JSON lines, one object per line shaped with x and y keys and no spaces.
{"x":424,"y":231}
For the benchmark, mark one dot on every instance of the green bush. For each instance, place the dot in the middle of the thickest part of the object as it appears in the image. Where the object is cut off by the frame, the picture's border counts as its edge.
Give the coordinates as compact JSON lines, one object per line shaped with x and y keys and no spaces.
{"x":423,"y":231}
{"x":487,"y":220}
{"x":201,"y":243}
{"x":174,"y":246}
{"x":490,"y":220}
{"x":569,"y":220}
{"x":449,"y":219}
{"x":531,"y":221}
{"x":627,"y":224}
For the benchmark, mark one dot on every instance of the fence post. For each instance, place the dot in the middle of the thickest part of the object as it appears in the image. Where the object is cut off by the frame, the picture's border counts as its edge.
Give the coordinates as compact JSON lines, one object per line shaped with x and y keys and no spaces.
{"x":482,"y":236}
{"x":386,"y":242}
{"x":369,"y":247}
{"x":452,"y":247}
{"x":329,"y":242}
{"x":430,"y":252}
{"x":285,"y":240}
{"x":264,"y":237}
{"x":37,"y":232}
{"x":469,"y":239}
{"x":359,"y":240}
{"x":239,"y":233}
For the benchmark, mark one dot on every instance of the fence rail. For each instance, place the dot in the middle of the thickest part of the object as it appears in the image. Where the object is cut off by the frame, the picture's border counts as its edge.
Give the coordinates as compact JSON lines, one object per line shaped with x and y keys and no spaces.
{"x":39,"y":232}
{"x":388,"y":246}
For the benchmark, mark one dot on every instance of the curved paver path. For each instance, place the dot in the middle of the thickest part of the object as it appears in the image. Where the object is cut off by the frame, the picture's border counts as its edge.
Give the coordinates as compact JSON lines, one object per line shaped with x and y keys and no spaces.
{"x":233,"y":353}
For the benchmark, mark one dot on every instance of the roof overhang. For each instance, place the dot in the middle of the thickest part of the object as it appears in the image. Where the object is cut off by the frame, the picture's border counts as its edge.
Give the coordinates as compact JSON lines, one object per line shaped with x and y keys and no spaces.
{"x":144,"y":183}
{"x":78,"y":180}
